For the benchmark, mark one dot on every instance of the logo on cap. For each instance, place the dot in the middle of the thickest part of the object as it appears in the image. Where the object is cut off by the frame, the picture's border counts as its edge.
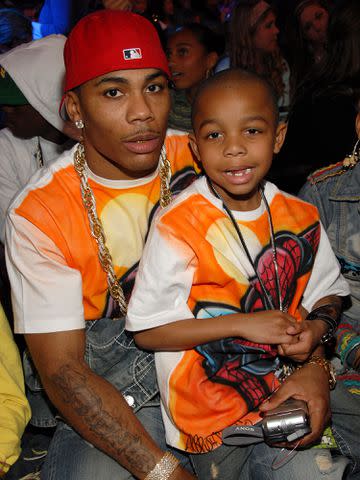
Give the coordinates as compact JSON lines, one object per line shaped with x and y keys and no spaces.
{"x":132,"y":53}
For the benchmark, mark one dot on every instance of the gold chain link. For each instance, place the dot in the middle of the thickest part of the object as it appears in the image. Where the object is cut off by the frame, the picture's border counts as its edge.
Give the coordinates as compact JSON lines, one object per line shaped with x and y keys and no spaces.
{"x":96,"y":227}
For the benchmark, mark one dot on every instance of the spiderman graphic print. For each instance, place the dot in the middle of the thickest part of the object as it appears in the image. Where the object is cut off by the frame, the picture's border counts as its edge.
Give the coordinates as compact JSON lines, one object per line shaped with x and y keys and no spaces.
{"x":194,"y":267}
{"x":242,"y":364}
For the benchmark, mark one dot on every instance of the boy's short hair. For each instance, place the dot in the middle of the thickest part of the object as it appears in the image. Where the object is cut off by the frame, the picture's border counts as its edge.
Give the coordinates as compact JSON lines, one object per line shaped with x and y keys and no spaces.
{"x":228,"y":75}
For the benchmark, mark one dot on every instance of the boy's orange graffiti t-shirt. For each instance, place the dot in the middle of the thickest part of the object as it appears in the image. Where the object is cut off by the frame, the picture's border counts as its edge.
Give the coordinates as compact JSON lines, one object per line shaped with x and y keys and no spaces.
{"x":194,"y":266}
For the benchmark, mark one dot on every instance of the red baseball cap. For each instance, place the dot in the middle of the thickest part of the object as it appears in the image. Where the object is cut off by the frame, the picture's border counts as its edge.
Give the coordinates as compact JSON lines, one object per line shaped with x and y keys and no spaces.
{"x":109,"y":40}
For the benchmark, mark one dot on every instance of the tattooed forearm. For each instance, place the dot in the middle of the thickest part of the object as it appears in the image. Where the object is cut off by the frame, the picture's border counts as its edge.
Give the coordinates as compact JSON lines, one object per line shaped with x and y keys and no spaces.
{"x":113,"y":429}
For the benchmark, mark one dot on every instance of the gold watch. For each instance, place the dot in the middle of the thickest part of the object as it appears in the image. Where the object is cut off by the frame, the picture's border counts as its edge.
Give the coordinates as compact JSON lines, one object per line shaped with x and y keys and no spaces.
{"x":327,"y":365}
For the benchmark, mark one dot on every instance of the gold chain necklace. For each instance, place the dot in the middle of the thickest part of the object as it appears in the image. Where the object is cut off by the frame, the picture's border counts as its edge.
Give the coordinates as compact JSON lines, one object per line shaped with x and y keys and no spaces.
{"x":96,"y":227}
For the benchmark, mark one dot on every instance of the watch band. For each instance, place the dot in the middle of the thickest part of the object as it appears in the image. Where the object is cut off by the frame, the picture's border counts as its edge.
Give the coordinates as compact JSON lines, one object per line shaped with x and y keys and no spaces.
{"x":322,"y":313}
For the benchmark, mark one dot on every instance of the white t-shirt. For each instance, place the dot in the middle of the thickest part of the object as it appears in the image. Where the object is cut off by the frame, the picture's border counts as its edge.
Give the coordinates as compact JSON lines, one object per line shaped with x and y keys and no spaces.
{"x":193,"y":266}
{"x":52,"y":259}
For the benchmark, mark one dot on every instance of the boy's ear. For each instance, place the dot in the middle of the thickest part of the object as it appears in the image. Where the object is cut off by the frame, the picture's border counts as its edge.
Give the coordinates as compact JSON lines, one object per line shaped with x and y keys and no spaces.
{"x":357,"y":125}
{"x":280,"y":136}
{"x":194,"y":146}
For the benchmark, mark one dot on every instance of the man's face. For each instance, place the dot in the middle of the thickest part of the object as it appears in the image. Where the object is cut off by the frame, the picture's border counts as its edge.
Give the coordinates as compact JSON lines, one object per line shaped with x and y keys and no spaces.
{"x":24,"y":121}
{"x":125,"y":116}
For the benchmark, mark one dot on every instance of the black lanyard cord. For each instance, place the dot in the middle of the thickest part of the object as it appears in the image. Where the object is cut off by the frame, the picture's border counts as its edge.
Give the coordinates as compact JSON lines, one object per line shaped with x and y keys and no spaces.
{"x":269,"y":301}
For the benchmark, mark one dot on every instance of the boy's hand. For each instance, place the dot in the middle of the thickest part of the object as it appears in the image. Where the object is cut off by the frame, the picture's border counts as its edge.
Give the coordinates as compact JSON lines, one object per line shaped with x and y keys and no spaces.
{"x":271,"y":327}
{"x":307,"y":340}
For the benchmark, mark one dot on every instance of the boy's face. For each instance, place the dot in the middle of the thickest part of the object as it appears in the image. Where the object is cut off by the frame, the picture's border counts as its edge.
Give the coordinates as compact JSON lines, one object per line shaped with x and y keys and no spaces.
{"x":125,"y":116}
{"x":235,"y":136}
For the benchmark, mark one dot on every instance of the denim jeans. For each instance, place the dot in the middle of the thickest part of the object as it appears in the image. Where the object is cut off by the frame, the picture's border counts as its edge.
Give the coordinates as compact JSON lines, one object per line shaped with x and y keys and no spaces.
{"x":70,"y":457}
{"x":345,"y":408}
{"x":112,"y":354}
{"x":255,"y":463}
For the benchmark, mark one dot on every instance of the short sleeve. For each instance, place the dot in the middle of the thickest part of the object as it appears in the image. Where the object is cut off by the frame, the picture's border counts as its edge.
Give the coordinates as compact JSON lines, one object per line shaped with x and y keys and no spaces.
{"x":46,"y":292}
{"x":163,"y":282}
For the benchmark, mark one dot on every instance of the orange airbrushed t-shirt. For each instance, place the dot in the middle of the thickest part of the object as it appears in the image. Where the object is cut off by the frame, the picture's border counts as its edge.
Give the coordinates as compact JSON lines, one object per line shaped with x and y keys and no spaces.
{"x":194,"y":266}
{"x":53,"y":259}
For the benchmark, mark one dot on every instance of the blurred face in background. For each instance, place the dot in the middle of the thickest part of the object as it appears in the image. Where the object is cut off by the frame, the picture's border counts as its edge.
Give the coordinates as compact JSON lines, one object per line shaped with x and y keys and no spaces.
{"x":314,"y":21}
{"x":266,"y":34}
{"x":189,"y":61}
{"x":139,"y":6}
{"x":168,"y":7}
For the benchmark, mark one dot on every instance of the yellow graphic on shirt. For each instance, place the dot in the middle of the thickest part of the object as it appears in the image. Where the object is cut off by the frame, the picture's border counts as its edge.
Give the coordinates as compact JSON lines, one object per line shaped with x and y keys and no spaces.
{"x":57,"y":210}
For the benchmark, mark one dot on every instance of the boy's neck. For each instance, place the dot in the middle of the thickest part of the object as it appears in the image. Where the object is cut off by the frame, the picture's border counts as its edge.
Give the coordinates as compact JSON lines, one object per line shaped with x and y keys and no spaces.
{"x":237,"y":203}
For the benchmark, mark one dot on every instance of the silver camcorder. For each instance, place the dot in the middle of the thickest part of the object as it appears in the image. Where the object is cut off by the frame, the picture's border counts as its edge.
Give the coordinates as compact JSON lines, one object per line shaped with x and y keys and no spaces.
{"x":286,"y":423}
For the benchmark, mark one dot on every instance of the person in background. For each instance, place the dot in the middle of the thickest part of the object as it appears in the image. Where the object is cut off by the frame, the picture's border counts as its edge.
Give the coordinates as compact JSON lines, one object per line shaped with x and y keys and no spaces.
{"x":55,"y":17}
{"x":193,"y":51}
{"x":254,"y":46}
{"x":31,"y":79}
{"x":335,"y":191}
{"x":321,"y":124}
{"x":15,"y":29}
{"x":306,"y":37}
{"x":14,"y":408}
{"x":162,"y":11}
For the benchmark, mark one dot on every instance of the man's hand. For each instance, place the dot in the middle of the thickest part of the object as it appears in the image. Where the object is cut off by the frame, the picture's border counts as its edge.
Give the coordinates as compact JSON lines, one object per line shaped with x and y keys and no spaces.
{"x":307,"y":340}
{"x":311,"y":384}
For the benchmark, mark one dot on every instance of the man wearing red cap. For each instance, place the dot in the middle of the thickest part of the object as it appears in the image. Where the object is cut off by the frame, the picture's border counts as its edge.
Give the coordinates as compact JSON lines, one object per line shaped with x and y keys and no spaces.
{"x":74,"y":239}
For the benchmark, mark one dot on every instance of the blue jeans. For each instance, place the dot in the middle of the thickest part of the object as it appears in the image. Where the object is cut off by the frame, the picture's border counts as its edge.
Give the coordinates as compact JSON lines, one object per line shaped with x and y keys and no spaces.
{"x":345,"y":409}
{"x":112,"y":354}
{"x":255,"y":463}
{"x":70,"y":457}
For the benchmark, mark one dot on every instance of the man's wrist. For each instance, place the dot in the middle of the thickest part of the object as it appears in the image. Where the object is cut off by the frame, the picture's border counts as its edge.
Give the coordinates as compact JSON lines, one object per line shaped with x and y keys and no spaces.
{"x":164,"y":468}
{"x":326,"y":365}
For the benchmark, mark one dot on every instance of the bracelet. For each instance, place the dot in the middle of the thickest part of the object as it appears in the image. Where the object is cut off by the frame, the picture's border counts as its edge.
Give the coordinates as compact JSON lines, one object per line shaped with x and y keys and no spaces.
{"x":322,"y":313}
{"x":322,"y":362}
{"x":164,"y":468}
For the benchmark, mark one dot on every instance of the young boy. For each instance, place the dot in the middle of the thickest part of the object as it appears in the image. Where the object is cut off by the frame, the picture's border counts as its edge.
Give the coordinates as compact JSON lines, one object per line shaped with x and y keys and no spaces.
{"x":229,"y":271}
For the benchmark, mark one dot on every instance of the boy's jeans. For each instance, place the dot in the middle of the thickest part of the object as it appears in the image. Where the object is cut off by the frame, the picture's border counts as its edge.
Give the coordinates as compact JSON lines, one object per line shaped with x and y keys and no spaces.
{"x":255,"y":462}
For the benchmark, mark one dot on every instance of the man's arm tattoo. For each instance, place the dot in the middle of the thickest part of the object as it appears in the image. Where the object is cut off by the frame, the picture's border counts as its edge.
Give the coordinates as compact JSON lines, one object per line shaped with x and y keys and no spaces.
{"x":74,"y":390}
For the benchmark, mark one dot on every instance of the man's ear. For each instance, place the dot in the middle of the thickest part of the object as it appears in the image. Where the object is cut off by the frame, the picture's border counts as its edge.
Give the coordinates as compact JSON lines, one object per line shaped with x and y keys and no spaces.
{"x":194,"y":146}
{"x":357,"y":125}
{"x":72,"y":105}
{"x":280,"y":136}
